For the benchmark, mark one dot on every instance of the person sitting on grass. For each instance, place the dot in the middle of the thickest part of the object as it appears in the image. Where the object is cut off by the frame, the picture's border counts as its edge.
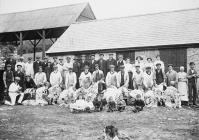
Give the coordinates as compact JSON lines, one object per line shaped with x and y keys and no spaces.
{"x":30,"y":88}
{"x":99,"y":102}
{"x":90,"y":107}
{"x":121,"y":104}
{"x":111,"y":105}
{"x":138,"y":104}
{"x":14,"y":91}
{"x":79,"y":105}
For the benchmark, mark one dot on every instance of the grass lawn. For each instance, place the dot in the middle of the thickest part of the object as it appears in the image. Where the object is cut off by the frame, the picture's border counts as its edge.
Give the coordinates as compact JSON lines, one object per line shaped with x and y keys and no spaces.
{"x":54,"y":122}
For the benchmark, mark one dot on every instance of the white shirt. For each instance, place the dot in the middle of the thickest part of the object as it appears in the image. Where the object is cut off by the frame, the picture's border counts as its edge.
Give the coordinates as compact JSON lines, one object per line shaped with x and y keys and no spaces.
{"x":14,"y":87}
{"x":29,"y":69}
{"x":60,"y":67}
{"x":138,"y":77}
{"x":40,"y":78}
{"x":70,"y":80}
{"x":68,"y":65}
{"x":148,"y":79}
{"x":55,"y":78}
{"x":22,"y":64}
{"x":162,"y":64}
{"x":129,"y":67}
{"x":111,"y":79}
{"x":85,"y":79}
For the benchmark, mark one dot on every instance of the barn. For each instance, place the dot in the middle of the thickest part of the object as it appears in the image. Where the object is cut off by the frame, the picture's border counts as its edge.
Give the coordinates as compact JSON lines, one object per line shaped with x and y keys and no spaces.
{"x":173,"y":35}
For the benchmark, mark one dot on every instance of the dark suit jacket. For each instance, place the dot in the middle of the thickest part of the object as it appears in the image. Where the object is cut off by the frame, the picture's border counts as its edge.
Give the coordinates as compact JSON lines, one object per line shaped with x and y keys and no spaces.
{"x":76,"y":68}
{"x":36,"y":66}
{"x":82,"y":65}
{"x":102,"y":66}
{"x":12,"y":62}
{"x":44,"y":65}
{"x":111,"y":62}
{"x":92,"y":66}
{"x":22,"y":78}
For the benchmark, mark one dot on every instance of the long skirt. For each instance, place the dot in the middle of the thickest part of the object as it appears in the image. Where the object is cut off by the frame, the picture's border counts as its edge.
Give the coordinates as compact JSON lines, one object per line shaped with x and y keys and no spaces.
{"x":183,"y":90}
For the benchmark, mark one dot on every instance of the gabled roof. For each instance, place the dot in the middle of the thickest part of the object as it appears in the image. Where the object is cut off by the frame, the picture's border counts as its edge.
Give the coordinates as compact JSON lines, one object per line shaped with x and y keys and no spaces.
{"x":54,"y":17}
{"x":176,"y":27}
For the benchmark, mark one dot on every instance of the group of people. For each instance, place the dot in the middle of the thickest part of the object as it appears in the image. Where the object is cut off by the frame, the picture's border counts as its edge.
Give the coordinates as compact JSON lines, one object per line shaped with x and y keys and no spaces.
{"x":92,"y":85}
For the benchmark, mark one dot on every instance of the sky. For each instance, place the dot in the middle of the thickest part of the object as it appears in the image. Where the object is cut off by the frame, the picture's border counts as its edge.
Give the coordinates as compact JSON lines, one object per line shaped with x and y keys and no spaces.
{"x":103,"y":9}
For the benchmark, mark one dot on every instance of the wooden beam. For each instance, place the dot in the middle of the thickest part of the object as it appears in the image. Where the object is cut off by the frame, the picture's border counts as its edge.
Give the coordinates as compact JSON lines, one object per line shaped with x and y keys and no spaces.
{"x":31,"y":42}
{"x":21,"y":42}
{"x":18,"y":37}
{"x":52,"y":40}
{"x":34,"y":49}
{"x":43,"y":43}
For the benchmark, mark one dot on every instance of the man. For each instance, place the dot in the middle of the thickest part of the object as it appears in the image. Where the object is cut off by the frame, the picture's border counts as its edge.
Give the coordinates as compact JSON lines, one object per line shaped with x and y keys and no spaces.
{"x":20,"y":62}
{"x":102,"y":64}
{"x":70,"y":79}
{"x":20,"y":74}
{"x":171,"y":76}
{"x":45,"y":63}
{"x":98,"y":74}
{"x":111,"y":78}
{"x":123,"y":80}
{"x":40,"y":77}
{"x":120,"y":61}
{"x":148,"y":79}
{"x":150,"y":63}
{"x":160,"y":76}
{"x":11,"y":62}
{"x":137,"y":77}
{"x":83,"y":63}
{"x":48,"y":71}
{"x":158,"y":60}
{"x":8,"y":76}
{"x":14,"y":91}
{"x":92,"y":63}
{"x":29,"y":68}
{"x":68,"y":63}
{"x":54,"y":62}
{"x":2,"y":87}
{"x":55,"y":77}
{"x":76,"y":69}
{"x":60,"y":66}
{"x":192,"y":82}
{"x":85,"y":78}
{"x":36,"y":65}
{"x":110,"y":61}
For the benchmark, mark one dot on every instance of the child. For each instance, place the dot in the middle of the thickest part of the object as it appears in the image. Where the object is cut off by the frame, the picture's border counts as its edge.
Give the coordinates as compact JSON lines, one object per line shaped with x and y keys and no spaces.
{"x":42,"y":93}
{"x":111,"y":104}
{"x":99,"y":102}
{"x":90,"y":107}
{"x":121,"y":104}
{"x":139,"y":104}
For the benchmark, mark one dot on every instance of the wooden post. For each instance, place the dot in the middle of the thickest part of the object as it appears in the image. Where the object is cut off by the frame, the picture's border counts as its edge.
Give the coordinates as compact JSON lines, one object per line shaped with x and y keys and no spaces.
{"x":34,"y":49}
{"x":21,"y":43}
{"x":43,"y":44}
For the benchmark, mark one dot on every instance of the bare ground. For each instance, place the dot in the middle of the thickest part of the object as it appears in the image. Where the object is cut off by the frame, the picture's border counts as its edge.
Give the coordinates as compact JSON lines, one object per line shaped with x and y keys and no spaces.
{"x":53,"y":122}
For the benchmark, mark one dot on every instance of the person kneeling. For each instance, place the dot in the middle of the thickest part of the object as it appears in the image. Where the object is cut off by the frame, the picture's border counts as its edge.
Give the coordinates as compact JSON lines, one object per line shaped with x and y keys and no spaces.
{"x":121,"y":104}
{"x":14,"y":91}
{"x":138,"y":104}
{"x":99,"y":102}
{"x":111,"y":105}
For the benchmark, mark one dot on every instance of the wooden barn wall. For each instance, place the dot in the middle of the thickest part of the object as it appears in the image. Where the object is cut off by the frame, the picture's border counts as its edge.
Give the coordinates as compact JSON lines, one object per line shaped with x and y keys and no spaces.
{"x":147,"y":53}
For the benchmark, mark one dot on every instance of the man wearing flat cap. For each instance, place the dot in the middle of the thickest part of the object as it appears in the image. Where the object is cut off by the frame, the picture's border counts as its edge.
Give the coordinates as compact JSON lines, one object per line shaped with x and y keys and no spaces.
{"x":102,"y":64}
{"x":148,"y":79}
{"x":110,"y":61}
{"x":55,"y":77}
{"x":111,"y":78}
{"x":85,"y":78}
{"x":192,"y":76}
{"x":98,"y":74}
{"x":137,"y":77}
{"x":14,"y":91}
{"x":20,"y":74}
{"x":22,"y":63}
{"x":8,"y":77}
{"x":11,"y":61}
{"x":92,"y":63}
{"x":29,"y":68}
{"x":120,"y":62}
{"x":40,"y":77}
{"x":37,"y":64}
{"x":160,"y":76}
{"x":45,"y":63}
{"x":171,"y":76}
{"x":68,"y":63}
{"x":83,"y":63}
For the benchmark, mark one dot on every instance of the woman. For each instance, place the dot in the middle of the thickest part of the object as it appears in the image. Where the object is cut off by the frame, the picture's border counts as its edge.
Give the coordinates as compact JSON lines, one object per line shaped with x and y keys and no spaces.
{"x":130,"y":69}
{"x":182,"y":85}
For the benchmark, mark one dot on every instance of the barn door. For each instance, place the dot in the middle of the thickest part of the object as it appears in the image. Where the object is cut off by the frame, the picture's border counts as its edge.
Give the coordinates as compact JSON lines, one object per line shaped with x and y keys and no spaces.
{"x":126,"y":54}
{"x":177,"y":57}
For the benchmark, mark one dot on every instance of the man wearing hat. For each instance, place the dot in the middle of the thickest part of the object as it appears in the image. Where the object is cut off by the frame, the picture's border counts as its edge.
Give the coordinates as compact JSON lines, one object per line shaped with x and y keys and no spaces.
{"x":85,"y":78}
{"x":192,"y":76}
{"x":83,"y":63}
{"x":123,"y":80}
{"x":37,"y":64}
{"x":171,"y":76}
{"x":158,"y":60}
{"x":68,"y":63}
{"x":70,"y":79}
{"x":20,"y":74}
{"x":2,"y":88}
{"x":14,"y":91}
{"x":111,"y":78}
{"x":55,"y":77}
{"x":22,"y":63}
{"x":29,"y":68}
{"x":120,"y":61}
{"x":11,"y":61}
{"x":160,"y":76}
{"x":139,"y":61}
{"x":92,"y":63}
{"x":45,"y":63}
{"x":148,"y":79}
{"x":102,"y":64}
{"x":40,"y":77}
{"x":76,"y":69}
{"x":98,"y":74}
{"x":8,"y":76}
{"x":110,"y":61}
{"x":150,"y":63}
{"x":137,"y":77}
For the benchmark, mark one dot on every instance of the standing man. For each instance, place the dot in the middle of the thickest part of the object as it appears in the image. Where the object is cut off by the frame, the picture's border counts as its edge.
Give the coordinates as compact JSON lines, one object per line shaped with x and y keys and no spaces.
{"x":68,"y":63}
{"x":48,"y":71}
{"x":85,"y":78}
{"x":111,"y":78}
{"x":70,"y":79}
{"x":8,"y":76}
{"x":2,"y":87}
{"x":102,"y":64}
{"x":60,"y":66}
{"x":110,"y":61}
{"x":29,"y":68}
{"x":148,"y":79}
{"x":92,"y":63}
{"x":83,"y":63}
{"x":36,"y":65}
{"x":158,"y":60}
{"x":20,"y":62}
{"x":98,"y":74}
{"x":11,"y":61}
{"x":40,"y":77}
{"x":76,"y":69}
{"x":55,"y":77}
{"x":192,"y":81}
{"x":54,"y":62}
{"x":160,"y":76}
{"x":20,"y":74}
{"x":45,"y":63}
{"x":171,"y":76}
{"x":120,"y":61}
{"x":137,"y":77}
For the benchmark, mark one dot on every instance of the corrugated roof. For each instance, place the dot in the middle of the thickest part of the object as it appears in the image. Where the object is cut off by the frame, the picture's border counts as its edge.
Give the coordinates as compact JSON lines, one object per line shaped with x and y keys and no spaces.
{"x":43,"y":18}
{"x":176,"y":27}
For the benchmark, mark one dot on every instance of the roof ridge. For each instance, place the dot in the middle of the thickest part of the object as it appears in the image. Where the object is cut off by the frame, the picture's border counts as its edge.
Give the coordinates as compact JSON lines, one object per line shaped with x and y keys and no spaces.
{"x":41,"y":9}
{"x":139,"y":15}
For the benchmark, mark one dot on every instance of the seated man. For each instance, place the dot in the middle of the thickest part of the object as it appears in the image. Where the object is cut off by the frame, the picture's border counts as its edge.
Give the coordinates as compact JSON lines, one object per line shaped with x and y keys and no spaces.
{"x":14,"y":91}
{"x":40,"y":77}
{"x":29,"y":87}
